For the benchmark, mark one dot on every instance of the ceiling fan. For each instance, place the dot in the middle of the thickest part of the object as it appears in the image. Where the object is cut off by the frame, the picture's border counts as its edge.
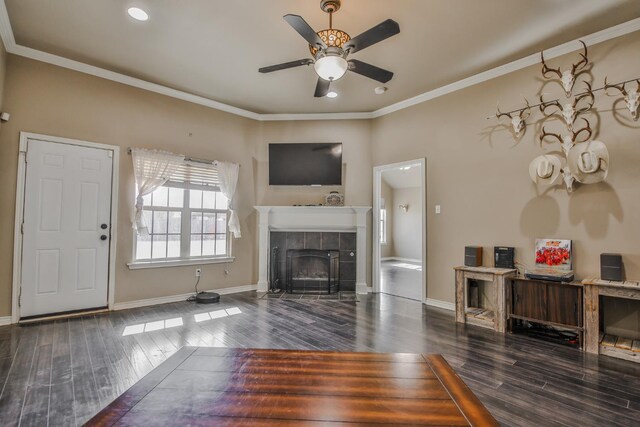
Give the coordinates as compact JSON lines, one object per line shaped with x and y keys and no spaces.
{"x":330,"y":48}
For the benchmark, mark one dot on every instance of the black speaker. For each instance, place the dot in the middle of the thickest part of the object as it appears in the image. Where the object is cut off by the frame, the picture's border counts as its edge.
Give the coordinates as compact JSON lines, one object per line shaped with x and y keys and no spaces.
{"x":504,"y":257}
{"x":473,"y":256}
{"x":611,"y":267}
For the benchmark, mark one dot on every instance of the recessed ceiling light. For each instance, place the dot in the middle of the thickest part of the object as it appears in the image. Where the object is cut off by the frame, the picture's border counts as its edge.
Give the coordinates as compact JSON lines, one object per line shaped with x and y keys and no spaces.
{"x":138,"y":14}
{"x":380,"y":90}
{"x":332,"y":95}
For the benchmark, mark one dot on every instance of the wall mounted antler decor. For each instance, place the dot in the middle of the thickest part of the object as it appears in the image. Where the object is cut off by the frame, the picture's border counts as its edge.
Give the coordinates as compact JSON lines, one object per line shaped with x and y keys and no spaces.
{"x":569,"y":110}
{"x":632,"y":99}
{"x":518,"y":118}
{"x":582,"y":159}
{"x":567,"y":77}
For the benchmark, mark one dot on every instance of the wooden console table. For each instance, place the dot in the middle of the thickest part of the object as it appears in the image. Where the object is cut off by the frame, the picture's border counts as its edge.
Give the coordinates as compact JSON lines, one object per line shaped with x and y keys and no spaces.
{"x":619,"y":347}
{"x":555,"y":304}
{"x":494,"y":319}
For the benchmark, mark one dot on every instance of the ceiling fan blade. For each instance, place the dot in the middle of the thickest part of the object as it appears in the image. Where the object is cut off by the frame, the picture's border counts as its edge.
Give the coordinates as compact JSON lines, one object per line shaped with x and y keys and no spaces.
{"x":370,"y":71}
{"x":305,"y":30}
{"x":322,"y":88}
{"x":374,"y":35}
{"x":286,"y":65}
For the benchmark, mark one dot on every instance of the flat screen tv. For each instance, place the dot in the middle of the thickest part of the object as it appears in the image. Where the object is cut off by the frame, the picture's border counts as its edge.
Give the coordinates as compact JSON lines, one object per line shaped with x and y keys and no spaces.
{"x":305,"y":164}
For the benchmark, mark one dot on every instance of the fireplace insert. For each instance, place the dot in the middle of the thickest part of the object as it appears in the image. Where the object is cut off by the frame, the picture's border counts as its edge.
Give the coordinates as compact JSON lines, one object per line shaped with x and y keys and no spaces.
{"x":313,"y":271}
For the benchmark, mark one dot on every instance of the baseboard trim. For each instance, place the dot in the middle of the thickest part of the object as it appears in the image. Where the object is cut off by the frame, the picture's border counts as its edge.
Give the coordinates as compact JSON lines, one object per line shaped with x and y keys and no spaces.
{"x":394,"y":258}
{"x":362,"y":288}
{"x":176,"y":298}
{"x":446,"y":305}
{"x":6,"y":320}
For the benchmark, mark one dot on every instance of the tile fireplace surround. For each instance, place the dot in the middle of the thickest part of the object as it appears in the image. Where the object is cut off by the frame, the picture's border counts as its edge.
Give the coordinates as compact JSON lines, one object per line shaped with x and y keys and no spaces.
{"x":312,"y":219}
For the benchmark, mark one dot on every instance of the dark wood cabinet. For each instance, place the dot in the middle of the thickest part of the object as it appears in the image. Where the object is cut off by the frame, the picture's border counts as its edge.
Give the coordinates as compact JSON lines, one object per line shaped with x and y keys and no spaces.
{"x":547,"y":303}
{"x":529,"y":299}
{"x":564,"y":304}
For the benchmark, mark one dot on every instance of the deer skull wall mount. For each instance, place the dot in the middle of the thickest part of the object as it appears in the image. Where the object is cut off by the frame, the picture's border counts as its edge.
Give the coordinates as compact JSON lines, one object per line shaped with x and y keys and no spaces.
{"x":631,"y":98}
{"x":567,"y":77}
{"x":518,"y":118}
{"x":570,"y":110}
{"x":568,"y":179}
{"x":568,"y":141}
{"x":585,"y":160}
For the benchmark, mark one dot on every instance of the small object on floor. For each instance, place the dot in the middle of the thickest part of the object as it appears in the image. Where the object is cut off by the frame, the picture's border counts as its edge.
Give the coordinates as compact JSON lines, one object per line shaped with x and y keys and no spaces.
{"x":207,"y":297}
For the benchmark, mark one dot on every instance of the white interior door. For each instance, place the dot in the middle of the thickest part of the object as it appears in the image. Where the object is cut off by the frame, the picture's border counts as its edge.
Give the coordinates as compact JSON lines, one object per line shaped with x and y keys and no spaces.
{"x":66,"y":230}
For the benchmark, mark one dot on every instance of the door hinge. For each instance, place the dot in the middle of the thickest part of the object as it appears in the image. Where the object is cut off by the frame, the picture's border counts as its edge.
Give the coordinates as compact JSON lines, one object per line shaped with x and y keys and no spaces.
{"x":20,"y":297}
{"x":22,"y":228}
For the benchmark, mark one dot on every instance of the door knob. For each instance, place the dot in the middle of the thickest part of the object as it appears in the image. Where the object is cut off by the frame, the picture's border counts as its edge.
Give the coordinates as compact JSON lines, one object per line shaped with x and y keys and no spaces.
{"x":104,"y":226}
{"x":103,"y":237}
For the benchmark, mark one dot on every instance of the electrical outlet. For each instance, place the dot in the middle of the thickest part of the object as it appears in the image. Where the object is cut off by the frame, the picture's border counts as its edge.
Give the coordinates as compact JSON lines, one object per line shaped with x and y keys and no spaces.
{"x":198,"y":272}
{"x":437,"y":209}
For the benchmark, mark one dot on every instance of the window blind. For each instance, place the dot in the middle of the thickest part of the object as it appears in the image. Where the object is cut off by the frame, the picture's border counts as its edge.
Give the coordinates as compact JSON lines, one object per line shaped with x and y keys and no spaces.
{"x":196,"y":173}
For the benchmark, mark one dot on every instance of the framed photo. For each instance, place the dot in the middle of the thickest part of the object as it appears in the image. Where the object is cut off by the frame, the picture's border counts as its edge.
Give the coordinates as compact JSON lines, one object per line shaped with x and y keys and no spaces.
{"x":553,"y":253}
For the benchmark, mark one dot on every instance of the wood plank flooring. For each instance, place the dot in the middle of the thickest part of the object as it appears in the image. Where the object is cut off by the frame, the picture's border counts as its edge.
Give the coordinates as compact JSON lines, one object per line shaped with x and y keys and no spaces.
{"x":64,"y":372}
{"x":207,"y":386}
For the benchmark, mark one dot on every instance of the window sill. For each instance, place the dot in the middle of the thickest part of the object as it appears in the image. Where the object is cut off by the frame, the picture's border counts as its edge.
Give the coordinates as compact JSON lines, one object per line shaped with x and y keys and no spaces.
{"x":139,"y":265}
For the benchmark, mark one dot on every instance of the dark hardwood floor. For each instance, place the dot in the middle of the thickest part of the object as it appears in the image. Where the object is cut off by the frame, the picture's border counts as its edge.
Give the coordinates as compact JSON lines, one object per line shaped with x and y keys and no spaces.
{"x":401,"y":278}
{"x":65,"y":371}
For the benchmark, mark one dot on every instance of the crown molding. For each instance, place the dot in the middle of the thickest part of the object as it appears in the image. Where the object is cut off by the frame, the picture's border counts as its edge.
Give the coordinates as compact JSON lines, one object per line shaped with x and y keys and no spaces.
{"x":554,"y":52}
{"x":12,"y":47}
{"x":6,"y":32}
{"x":128,"y":80}
{"x":315,"y":116}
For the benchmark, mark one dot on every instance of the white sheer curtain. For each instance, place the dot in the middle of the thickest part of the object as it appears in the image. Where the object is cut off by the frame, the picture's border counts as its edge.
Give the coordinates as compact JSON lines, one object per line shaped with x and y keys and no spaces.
{"x":228,"y":175}
{"x":151,"y":168}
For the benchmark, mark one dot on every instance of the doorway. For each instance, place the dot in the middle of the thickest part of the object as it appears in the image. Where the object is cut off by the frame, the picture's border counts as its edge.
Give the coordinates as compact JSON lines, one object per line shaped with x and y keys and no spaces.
{"x":65,"y":226}
{"x":399,"y":250}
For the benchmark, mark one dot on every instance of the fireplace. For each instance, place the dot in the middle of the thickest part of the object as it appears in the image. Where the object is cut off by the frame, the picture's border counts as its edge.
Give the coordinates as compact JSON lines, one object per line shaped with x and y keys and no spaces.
{"x":340,"y":244}
{"x":328,"y":228}
{"x":312,"y":271}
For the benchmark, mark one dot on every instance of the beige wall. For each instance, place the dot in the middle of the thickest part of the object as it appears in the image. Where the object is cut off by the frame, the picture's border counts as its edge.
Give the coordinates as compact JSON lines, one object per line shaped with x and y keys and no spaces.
{"x":407,"y":226}
{"x":3,"y":73}
{"x":479,"y":174}
{"x":54,"y":101}
{"x":355,"y":135}
{"x":475,"y":170}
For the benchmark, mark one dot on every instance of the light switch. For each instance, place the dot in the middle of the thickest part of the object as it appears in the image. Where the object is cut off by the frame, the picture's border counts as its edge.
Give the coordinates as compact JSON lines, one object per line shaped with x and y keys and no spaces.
{"x":437,"y":209}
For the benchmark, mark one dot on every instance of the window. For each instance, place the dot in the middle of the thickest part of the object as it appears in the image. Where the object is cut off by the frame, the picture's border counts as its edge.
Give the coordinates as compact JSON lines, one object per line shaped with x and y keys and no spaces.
{"x":186,"y":221}
{"x":383,"y":223}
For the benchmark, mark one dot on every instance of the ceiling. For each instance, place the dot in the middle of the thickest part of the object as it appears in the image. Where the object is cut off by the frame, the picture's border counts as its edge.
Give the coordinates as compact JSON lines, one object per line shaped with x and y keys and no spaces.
{"x":213,"y":48}
{"x":403,"y":178}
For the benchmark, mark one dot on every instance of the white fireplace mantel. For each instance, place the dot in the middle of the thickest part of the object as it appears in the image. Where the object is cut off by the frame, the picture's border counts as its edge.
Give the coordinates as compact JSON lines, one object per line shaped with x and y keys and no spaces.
{"x":312,"y":218}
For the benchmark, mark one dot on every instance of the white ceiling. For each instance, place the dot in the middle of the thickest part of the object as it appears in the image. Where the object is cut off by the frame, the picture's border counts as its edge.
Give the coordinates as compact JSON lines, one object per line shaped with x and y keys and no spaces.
{"x":213,"y":48}
{"x":399,"y":178}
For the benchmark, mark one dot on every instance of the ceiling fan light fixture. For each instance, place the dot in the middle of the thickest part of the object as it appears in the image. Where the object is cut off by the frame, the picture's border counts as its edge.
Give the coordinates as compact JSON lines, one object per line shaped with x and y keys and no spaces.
{"x":331,"y":67}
